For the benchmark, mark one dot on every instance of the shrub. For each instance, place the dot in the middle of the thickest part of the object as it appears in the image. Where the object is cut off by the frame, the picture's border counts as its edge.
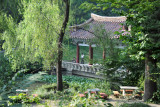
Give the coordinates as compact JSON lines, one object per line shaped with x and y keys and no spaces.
{"x":23,"y":98}
{"x":65,"y":85}
{"x":46,"y":91}
{"x":156,"y":97}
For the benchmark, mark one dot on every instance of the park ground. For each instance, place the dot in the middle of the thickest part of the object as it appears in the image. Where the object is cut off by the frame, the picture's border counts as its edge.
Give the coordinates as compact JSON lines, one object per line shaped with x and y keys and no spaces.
{"x":39,"y":85}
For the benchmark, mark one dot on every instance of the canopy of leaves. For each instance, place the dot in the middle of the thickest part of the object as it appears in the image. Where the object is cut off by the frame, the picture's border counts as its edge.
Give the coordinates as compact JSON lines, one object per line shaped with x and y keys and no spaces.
{"x":13,"y":8}
{"x":36,"y":35}
{"x":81,"y":11}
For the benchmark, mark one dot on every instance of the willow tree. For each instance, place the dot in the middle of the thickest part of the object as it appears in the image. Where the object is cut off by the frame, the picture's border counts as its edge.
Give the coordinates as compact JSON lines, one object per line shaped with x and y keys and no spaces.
{"x":38,"y":35}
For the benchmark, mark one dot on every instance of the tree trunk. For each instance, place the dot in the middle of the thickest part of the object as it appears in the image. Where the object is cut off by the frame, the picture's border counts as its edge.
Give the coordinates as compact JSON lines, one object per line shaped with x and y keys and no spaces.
{"x":77,"y":59}
{"x":60,"y":50}
{"x":150,"y":86}
{"x":104,"y":54}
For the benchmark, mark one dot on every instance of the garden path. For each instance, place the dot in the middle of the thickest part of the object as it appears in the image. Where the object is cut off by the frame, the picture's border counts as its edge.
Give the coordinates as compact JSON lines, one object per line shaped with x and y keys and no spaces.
{"x":117,"y":102}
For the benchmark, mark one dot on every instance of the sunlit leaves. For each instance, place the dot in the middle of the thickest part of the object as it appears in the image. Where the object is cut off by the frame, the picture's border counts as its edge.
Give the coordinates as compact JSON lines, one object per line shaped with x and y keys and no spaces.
{"x":36,"y":35}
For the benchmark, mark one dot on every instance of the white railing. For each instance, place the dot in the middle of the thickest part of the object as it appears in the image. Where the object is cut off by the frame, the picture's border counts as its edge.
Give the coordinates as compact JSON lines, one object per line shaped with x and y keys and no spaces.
{"x":70,"y":66}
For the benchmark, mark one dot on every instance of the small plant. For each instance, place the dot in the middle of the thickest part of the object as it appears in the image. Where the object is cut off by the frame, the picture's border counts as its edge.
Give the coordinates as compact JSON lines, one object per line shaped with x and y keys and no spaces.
{"x":86,"y":101}
{"x":46,"y":91}
{"x":23,"y":98}
{"x":65,"y":85}
{"x":50,"y":87}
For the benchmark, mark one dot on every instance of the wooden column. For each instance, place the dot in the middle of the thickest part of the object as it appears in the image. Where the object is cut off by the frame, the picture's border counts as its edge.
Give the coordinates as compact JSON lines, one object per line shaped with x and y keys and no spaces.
{"x":90,"y":55}
{"x":77,"y":59}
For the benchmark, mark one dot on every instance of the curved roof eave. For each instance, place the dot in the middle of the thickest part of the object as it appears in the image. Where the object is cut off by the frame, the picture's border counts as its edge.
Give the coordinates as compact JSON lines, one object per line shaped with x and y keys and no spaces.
{"x":107,"y":18}
{"x":96,"y":17}
{"x":80,"y":25}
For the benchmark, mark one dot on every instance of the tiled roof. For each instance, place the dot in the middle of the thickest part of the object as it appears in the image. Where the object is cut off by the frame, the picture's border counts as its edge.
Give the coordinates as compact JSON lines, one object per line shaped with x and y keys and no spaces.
{"x":108,"y":19}
{"x":85,"y":30}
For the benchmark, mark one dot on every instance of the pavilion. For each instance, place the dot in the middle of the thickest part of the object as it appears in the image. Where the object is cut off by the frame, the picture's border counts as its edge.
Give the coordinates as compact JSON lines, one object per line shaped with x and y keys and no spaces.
{"x":82,"y":37}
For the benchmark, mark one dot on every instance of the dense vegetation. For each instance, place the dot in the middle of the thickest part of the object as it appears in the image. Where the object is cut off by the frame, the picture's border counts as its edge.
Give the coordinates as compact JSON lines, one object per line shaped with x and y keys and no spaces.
{"x":32,"y":32}
{"x":142,"y":43}
{"x":43,"y":85}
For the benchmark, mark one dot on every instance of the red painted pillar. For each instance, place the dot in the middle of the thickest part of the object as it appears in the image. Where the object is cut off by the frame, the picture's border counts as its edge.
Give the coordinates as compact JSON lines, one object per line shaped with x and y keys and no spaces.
{"x":90,"y":55}
{"x":77,"y":59}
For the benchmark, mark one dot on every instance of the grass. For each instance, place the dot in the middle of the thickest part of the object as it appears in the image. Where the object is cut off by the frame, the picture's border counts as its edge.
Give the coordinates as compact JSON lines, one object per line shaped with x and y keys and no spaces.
{"x":43,"y":85}
{"x":81,"y":83}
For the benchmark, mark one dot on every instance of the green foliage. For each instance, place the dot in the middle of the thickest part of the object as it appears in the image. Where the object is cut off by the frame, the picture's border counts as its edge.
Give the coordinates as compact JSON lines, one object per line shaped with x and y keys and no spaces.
{"x":35,"y":37}
{"x":134,"y":71}
{"x":24,"y":99}
{"x":141,"y":15}
{"x":85,"y":102}
{"x":70,"y":96}
{"x":45,"y":91}
{"x":13,"y":8}
{"x":134,"y":105}
{"x":109,"y":67}
{"x":79,"y":14}
{"x":81,"y":84}
{"x":5,"y":70}
{"x":141,"y":82}
{"x":142,"y":43}
{"x":104,"y":40}
{"x":3,"y":27}
{"x":156,"y":97}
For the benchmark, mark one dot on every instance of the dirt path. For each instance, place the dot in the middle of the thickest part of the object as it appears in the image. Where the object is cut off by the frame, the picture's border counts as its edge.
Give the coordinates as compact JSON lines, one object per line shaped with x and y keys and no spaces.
{"x":117,"y":102}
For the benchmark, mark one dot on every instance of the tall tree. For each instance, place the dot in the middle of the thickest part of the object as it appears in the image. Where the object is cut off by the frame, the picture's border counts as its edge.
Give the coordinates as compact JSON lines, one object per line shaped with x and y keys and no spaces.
{"x":39,"y":35}
{"x":142,"y":44}
{"x":60,"y":49}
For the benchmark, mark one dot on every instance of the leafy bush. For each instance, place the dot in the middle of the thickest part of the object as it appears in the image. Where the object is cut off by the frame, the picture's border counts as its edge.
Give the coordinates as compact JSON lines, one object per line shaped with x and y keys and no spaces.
{"x":23,"y":98}
{"x":87,"y":102}
{"x":82,"y":102}
{"x":45,"y":91}
{"x":134,"y":105}
{"x":156,"y":97}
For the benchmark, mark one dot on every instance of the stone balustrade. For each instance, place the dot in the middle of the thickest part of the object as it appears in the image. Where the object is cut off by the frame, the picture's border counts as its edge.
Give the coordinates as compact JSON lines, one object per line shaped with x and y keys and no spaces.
{"x":81,"y":69}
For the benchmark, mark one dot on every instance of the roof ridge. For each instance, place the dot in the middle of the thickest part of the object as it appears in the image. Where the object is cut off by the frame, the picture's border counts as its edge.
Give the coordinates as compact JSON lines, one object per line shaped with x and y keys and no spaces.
{"x":84,"y":23}
{"x":108,"y":18}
